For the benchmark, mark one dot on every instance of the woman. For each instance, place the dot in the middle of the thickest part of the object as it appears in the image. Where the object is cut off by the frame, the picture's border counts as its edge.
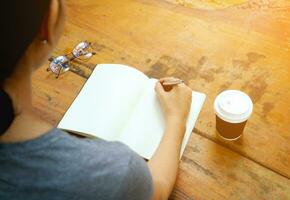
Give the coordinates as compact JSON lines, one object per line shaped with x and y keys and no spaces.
{"x":38,"y":161}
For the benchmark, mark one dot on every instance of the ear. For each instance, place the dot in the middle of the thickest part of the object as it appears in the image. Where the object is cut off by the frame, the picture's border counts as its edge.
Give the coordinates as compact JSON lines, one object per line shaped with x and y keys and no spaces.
{"x":50,"y":25}
{"x":43,"y":35}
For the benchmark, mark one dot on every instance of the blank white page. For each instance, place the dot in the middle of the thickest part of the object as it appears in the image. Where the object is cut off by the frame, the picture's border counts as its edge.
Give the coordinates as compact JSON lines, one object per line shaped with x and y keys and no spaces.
{"x":106,"y":101}
{"x":146,"y":127}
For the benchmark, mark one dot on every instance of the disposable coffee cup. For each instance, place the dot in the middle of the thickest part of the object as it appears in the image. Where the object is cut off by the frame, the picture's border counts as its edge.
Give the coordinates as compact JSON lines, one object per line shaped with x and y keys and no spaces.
{"x":232,"y":108}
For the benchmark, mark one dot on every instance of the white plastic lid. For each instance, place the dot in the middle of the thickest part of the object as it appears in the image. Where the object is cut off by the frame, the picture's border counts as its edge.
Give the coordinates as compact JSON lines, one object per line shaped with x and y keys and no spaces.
{"x":233,"y":106}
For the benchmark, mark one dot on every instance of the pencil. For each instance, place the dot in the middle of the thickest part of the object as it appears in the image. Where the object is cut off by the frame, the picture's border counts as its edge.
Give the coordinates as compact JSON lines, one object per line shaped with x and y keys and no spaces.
{"x":175,"y":82}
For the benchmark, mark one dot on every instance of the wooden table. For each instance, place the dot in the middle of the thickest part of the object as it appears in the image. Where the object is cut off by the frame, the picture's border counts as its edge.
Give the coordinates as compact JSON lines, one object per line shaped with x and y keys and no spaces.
{"x":213,"y":45}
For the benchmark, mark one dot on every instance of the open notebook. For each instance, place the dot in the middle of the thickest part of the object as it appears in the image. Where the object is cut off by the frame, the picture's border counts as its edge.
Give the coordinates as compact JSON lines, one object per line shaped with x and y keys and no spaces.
{"x":118,"y":103}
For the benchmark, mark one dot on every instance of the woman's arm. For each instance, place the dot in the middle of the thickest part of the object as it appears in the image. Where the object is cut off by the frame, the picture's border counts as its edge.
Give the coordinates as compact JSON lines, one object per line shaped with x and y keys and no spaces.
{"x":164,"y":164}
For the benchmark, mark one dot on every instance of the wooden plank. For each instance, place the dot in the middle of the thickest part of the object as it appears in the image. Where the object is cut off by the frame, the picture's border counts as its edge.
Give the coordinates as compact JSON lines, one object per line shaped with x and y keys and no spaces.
{"x":210,"y":171}
{"x":212,"y":49}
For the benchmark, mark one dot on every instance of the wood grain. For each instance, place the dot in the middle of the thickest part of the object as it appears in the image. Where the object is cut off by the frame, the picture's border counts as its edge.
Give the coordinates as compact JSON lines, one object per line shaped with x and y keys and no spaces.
{"x":210,"y":171}
{"x":212,"y":46}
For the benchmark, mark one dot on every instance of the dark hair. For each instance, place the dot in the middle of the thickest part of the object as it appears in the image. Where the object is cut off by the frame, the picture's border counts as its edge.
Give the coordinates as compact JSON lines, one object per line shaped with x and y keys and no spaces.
{"x":20,"y":22}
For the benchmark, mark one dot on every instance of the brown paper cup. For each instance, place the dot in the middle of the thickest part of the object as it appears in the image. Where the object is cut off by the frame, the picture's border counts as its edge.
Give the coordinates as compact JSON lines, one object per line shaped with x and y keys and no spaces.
{"x":232,"y":108}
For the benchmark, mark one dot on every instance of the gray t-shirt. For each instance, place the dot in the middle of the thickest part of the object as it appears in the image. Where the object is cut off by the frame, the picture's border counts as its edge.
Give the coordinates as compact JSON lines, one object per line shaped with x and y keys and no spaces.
{"x":60,"y":166}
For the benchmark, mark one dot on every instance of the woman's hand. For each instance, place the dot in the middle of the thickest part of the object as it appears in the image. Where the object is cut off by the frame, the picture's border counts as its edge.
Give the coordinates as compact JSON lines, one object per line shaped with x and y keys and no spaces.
{"x":175,"y":102}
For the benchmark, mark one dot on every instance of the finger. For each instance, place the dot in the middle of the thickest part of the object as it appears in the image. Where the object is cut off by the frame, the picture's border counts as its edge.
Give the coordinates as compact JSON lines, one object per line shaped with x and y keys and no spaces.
{"x":159,"y":88}
{"x":183,"y":87}
{"x":167,"y":87}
